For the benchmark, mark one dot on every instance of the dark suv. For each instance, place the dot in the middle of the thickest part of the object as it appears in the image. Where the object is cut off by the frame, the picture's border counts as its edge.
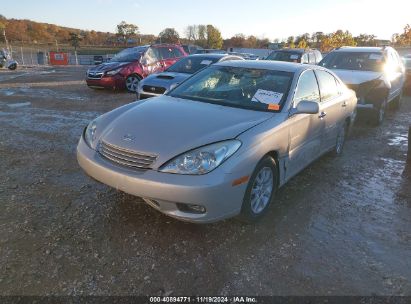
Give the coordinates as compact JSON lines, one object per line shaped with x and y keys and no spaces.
{"x":129,"y":66}
{"x":376,"y":74}
{"x":309,"y":56}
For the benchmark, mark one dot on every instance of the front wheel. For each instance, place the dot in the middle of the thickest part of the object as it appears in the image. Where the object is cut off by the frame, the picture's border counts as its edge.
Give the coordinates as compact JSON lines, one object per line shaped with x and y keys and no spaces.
{"x":260,"y":191}
{"x":132,"y":83}
{"x":396,"y":103}
{"x":13,"y":66}
{"x":378,"y":115}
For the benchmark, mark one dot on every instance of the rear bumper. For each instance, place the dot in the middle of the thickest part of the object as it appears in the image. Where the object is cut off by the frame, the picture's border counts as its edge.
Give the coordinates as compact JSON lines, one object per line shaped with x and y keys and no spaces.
{"x":114,"y":82}
{"x":164,"y":191}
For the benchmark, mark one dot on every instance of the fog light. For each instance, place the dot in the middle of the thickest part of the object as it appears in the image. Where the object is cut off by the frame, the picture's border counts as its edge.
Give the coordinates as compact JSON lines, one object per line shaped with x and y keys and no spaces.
{"x":198,"y":209}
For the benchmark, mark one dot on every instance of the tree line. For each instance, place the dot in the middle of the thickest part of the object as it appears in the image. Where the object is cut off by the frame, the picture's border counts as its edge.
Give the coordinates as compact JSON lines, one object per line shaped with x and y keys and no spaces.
{"x":206,"y":36}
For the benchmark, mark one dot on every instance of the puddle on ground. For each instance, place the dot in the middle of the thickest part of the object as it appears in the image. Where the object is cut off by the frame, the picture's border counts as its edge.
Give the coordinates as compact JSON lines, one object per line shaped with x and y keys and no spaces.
{"x":399,"y":140}
{"x":19,"y":104}
{"x":38,"y":92}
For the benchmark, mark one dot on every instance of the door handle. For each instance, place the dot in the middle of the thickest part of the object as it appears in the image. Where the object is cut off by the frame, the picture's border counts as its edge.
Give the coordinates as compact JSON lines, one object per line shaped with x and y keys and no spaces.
{"x":322,"y":115}
{"x":344,"y":104}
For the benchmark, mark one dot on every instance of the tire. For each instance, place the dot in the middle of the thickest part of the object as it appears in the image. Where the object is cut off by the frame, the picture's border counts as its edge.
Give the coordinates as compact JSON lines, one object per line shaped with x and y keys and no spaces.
{"x":340,"y":140}
{"x":132,"y":83}
{"x":396,"y":103}
{"x":378,"y":114}
{"x":260,"y":191}
{"x":12,"y":67}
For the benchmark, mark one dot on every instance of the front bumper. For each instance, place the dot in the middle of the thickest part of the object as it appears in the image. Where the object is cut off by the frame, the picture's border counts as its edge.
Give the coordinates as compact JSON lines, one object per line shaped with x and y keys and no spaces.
{"x":164,"y":191}
{"x":107,"y":82}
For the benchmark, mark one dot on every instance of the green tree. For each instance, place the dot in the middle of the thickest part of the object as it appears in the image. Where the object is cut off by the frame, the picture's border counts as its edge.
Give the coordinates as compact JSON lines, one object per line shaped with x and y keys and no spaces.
{"x":169,"y":35}
{"x":126,"y":31}
{"x":214,"y":38}
{"x":365,"y":40}
{"x":75,"y":40}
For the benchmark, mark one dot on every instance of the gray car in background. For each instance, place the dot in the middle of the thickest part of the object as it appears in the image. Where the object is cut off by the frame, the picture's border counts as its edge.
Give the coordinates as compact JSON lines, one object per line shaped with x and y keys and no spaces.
{"x":161,"y":83}
{"x":376,"y":74}
{"x":222,"y":142}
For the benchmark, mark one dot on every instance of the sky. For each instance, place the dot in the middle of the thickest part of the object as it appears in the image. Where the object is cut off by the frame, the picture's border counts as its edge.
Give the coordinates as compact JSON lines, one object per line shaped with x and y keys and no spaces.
{"x":263,"y":18}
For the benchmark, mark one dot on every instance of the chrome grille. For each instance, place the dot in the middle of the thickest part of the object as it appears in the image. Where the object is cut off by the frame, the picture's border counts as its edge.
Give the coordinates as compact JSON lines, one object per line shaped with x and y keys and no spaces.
{"x":154,"y":89}
{"x":126,"y":157}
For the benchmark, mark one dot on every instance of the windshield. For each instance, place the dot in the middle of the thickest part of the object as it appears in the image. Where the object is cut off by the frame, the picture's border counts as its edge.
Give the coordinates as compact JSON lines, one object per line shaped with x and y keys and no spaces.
{"x":359,"y":61}
{"x":190,"y":65}
{"x":255,"y":89}
{"x":284,"y":56}
{"x":128,"y":55}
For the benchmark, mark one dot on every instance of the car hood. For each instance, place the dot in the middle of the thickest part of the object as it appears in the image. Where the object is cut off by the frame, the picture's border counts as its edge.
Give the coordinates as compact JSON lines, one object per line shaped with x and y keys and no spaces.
{"x":357,"y":77}
{"x":165,"y":80}
{"x":108,"y":66}
{"x":167,"y":126}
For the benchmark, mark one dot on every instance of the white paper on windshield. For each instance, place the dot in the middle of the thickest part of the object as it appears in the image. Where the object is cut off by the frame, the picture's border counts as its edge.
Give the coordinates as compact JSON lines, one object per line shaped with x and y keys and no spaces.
{"x":267,"y":97}
{"x":375,"y":57}
{"x":293,"y":56}
{"x":206,"y":62}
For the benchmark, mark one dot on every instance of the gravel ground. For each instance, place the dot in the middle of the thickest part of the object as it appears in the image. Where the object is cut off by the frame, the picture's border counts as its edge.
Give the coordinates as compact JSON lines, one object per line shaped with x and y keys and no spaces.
{"x":341,"y":227}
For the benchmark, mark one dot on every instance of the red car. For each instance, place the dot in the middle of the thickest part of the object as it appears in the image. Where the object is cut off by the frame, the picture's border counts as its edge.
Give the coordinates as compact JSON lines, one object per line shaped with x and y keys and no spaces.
{"x":128,"y":67}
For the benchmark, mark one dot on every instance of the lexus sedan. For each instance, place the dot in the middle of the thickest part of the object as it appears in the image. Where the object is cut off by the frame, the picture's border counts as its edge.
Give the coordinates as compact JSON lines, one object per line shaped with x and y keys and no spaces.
{"x":158,"y":84}
{"x":221,"y":143}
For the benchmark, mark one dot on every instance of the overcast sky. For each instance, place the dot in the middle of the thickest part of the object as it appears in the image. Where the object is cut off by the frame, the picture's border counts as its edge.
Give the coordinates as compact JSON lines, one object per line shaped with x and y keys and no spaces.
{"x":263,"y":18}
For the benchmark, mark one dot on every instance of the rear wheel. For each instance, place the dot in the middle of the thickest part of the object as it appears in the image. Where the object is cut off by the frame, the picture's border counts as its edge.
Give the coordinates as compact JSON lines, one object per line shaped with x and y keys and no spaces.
{"x":260,"y":191}
{"x":132,"y":83}
{"x":340,"y":141}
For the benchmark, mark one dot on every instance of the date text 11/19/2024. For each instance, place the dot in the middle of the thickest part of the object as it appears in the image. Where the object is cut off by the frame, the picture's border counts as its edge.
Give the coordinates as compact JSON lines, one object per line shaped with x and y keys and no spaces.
{"x":203,"y":299}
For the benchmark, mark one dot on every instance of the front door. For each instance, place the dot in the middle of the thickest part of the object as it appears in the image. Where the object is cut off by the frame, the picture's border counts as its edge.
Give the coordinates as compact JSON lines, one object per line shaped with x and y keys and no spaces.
{"x":306,"y":130}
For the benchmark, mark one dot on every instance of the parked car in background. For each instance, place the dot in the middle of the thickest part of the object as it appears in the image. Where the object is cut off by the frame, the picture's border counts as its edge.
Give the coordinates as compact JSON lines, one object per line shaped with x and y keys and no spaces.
{"x":376,"y":74}
{"x":210,"y":51}
{"x":309,"y":56}
{"x":98,"y":59}
{"x":131,"y":65}
{"x":222,"y":142}
{"x":191,"y":48}
{"x":158,"y":84}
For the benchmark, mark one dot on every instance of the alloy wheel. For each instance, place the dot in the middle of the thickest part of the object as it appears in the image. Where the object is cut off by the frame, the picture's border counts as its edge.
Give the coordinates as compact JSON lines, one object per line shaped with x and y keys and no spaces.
{"x":261,"y":190}
{"x":132,"y":83}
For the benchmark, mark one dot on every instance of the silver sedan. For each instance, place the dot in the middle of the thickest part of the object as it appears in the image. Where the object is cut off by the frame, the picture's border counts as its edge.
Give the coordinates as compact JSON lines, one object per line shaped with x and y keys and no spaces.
{"x":221,"y":143}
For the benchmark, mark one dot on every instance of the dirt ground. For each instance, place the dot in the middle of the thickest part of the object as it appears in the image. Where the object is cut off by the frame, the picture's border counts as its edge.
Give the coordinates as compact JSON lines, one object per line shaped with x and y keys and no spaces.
{"x":341,"y":227}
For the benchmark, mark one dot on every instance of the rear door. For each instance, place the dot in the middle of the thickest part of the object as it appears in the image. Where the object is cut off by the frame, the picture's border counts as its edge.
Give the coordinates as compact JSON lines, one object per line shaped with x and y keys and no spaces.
{"x":395,"y":73}
{"x":152,"y":62}
{"x":332,"y":108}
{"x":306,"y":130}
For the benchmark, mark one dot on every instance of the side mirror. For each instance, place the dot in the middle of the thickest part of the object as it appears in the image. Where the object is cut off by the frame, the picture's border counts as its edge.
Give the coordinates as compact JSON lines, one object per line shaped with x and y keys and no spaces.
{"x":306,"y":107}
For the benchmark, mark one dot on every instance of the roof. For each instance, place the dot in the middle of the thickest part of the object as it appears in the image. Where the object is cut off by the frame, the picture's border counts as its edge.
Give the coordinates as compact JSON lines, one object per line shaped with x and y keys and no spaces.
{"x":210,"y":55}
{"x":359,"y":49}
{"x":287,"y":50}
{"x":269,"y":65}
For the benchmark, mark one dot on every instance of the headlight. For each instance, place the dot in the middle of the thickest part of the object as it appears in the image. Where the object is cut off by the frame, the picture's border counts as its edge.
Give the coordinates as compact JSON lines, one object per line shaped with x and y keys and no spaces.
{"x":113,"y":72}
{"x":90,"y":133}
{"x":202,"y":160}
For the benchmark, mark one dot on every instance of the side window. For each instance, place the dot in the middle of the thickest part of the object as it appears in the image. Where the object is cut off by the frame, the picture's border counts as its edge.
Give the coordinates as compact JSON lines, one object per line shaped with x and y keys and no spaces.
{"x":312,"y":58}
{"x":304,"y":58}
{"x":318,"y":56}
{"x":177,"y":53}
{"x":166,"y":53}
{"x":328,"y":85}
{"x":307,"y":88}
{"x":151,"y":56}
